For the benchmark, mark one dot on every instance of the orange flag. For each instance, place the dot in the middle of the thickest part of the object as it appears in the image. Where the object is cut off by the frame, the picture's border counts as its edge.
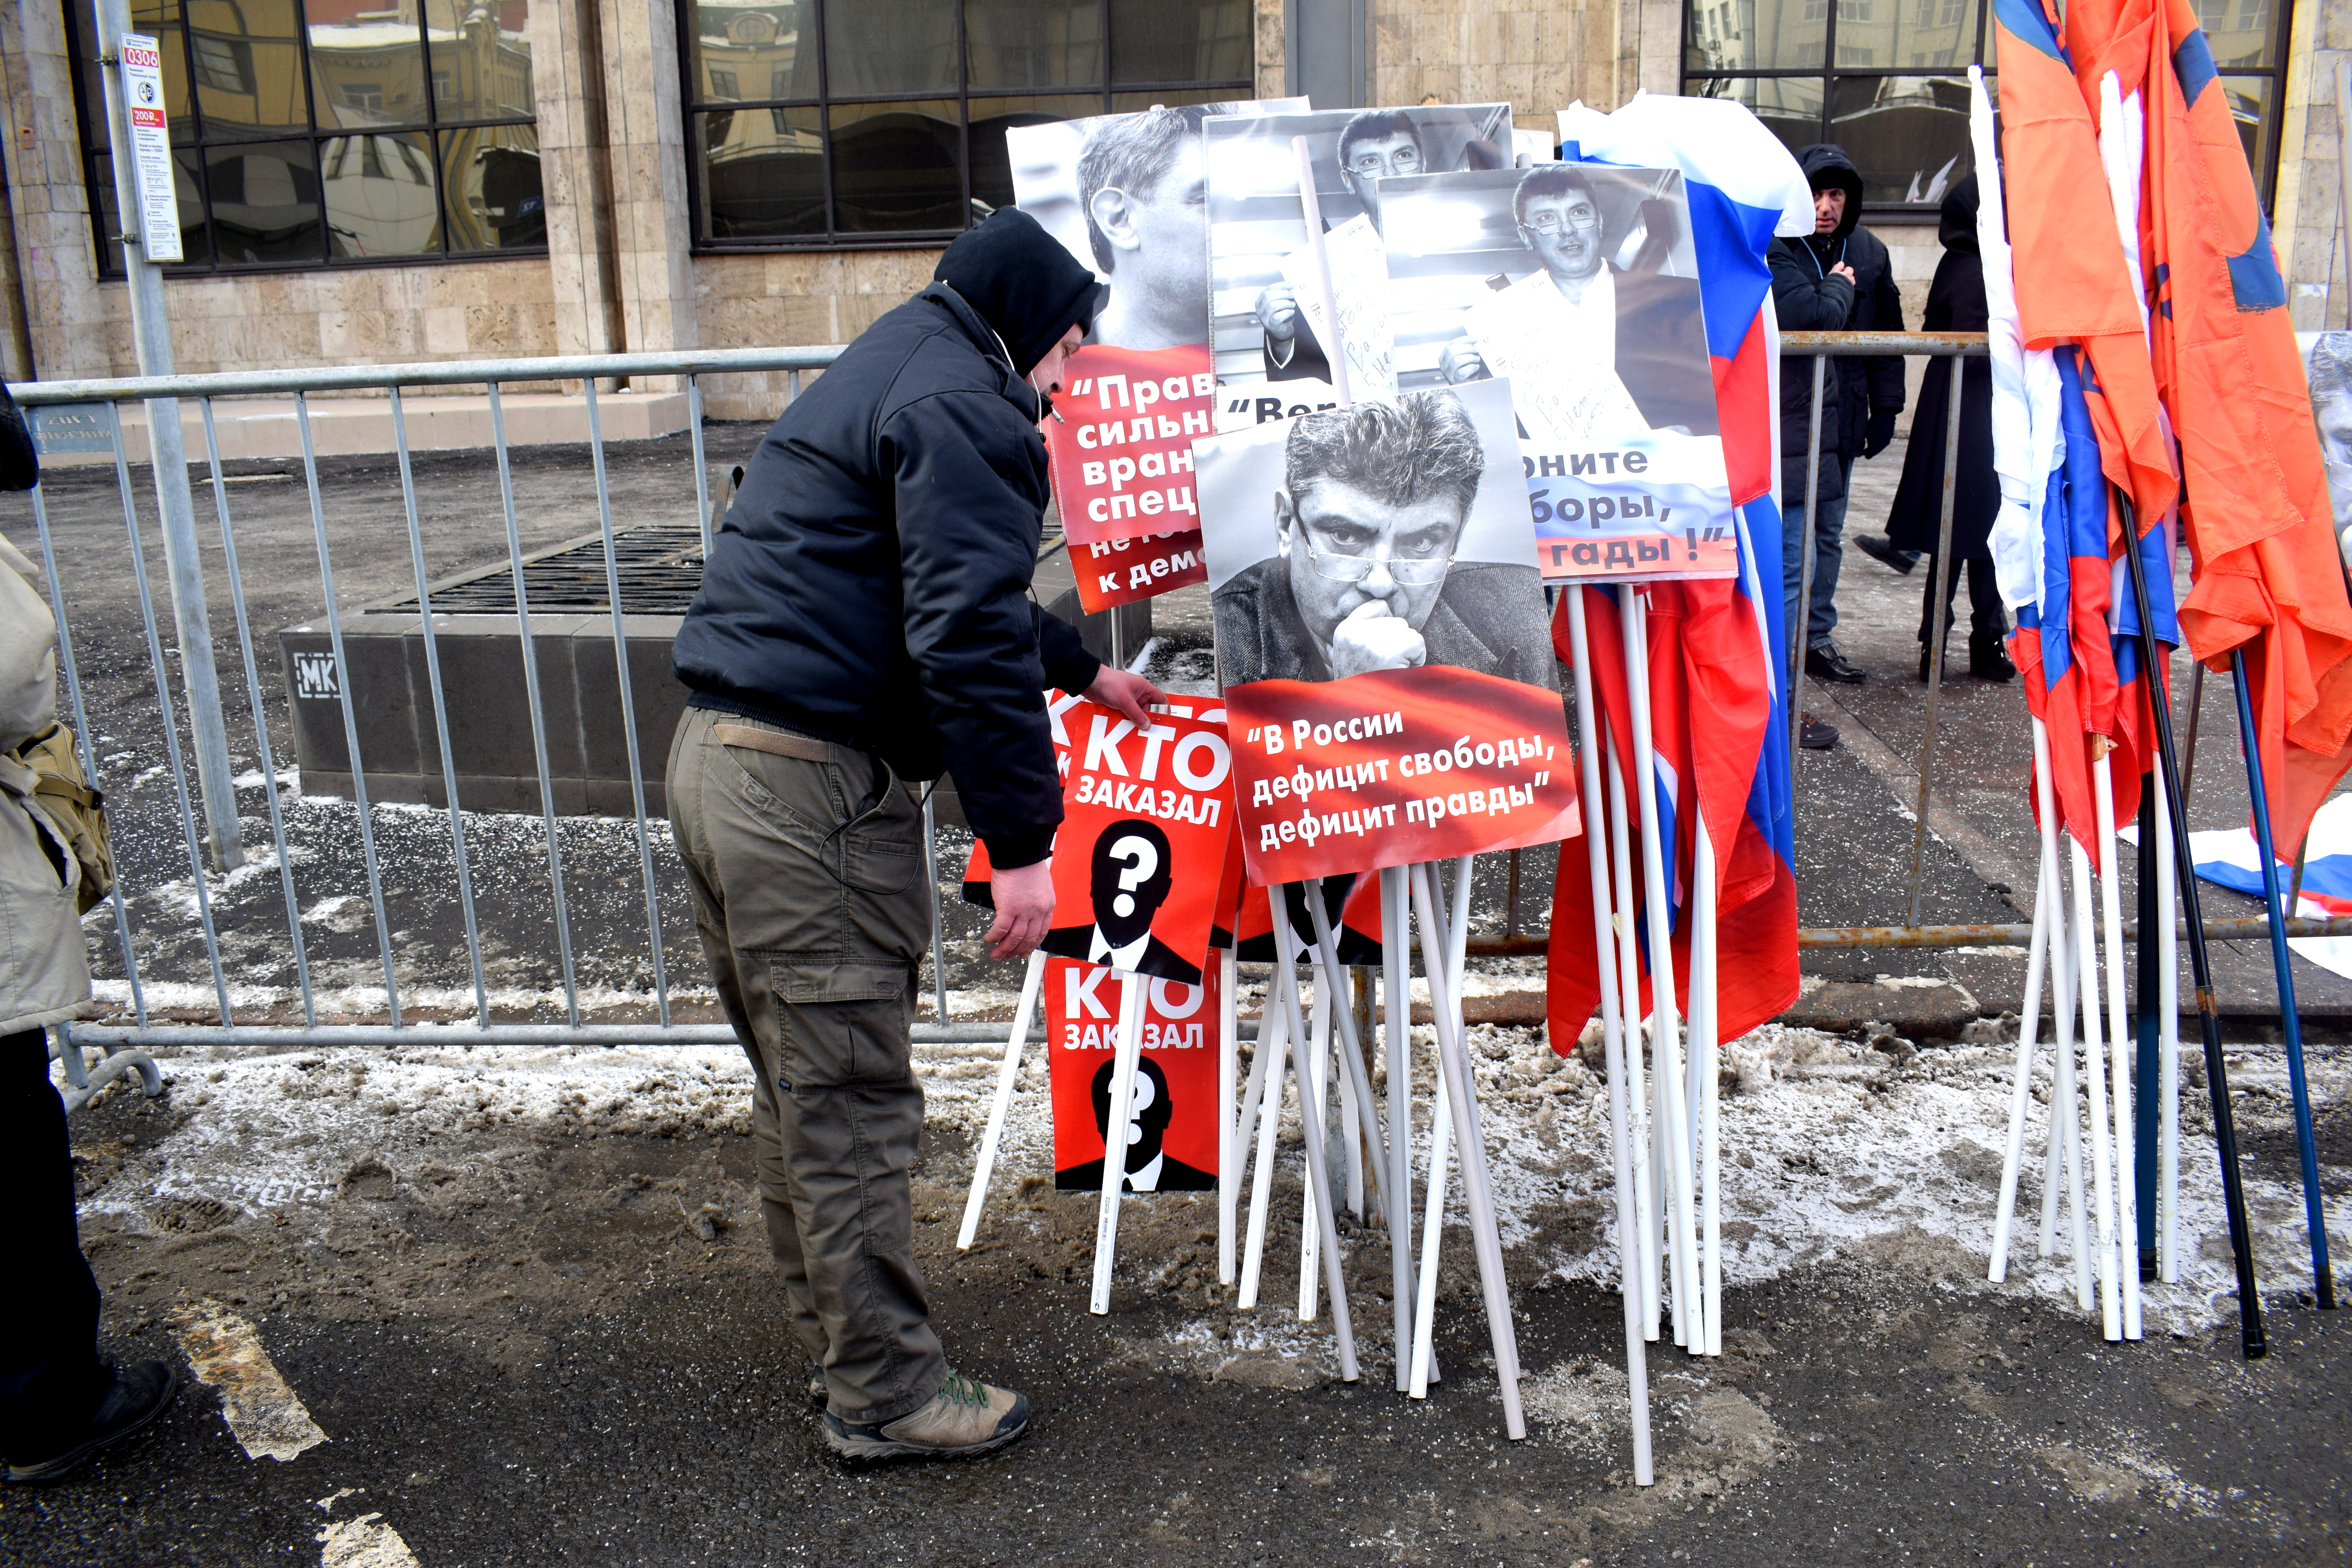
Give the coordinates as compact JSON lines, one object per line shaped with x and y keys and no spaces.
{"x":2269,"y":578}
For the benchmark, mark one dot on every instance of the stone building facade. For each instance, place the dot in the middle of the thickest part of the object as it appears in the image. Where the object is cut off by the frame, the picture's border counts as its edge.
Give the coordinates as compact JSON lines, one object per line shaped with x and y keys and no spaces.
{"x":626,"y":265}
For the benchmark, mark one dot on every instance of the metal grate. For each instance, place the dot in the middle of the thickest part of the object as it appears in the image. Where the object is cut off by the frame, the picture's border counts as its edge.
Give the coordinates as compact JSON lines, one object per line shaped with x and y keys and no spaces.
{"x":659,"y":567}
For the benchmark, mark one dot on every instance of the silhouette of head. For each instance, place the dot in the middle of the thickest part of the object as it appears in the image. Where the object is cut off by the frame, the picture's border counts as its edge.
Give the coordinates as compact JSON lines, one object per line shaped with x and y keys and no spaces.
{"x":1151,"y":1110}
{"x":1131,"y":878}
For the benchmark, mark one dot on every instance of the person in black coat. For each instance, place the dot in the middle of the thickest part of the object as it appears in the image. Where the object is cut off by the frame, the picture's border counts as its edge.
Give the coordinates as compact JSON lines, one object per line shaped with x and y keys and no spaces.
{"x":863,"y":616}
{"x":1956,"y":303}
{"x":1838,"y":278}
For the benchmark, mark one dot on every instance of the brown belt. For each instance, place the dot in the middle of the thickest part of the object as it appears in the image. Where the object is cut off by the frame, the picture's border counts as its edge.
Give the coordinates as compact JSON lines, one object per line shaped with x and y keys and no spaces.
{"x":771,"y":742}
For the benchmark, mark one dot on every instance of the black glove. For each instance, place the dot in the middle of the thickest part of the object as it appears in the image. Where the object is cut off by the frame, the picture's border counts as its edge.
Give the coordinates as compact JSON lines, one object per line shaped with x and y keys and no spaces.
{"x":1879,"y":431}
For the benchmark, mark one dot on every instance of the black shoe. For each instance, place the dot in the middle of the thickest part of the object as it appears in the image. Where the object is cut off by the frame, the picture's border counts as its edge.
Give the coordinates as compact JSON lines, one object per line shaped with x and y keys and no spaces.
{"x":141,"y":1392}
{"x":1881,"y":550}
{"x":1813,"y":735}
{"x":1988,"y":660}
{"x":818,"y":1395}
{"x":1825,"y":663}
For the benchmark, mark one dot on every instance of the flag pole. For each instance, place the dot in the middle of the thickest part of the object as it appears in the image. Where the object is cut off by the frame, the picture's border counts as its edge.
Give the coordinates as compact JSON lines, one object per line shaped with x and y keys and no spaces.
{"x":2147,"y":1031}
{"x":1629,"y":991}
{"x":1006,"y":1075}
{"x":1612,"y":1038}
{"x":1704,"y":1042}
{"x":2119,"y":1046}
{"x":2086,"y":961}
{"x":1116,"y":1135}
{"x":2200,"y":967}
{"x":2021,"y":1093}
{"x":2314,"y":1216}
{"x":2168,"y":964}
{"x":1310,"y":1124}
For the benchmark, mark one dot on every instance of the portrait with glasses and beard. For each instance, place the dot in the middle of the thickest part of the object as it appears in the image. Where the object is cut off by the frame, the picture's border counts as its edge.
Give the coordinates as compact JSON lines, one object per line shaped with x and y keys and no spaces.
{"x":1368,"y":565}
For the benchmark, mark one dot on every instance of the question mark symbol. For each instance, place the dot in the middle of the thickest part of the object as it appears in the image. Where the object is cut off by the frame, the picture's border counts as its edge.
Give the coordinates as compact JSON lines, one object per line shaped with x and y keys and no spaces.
{"x":1143,"y":859}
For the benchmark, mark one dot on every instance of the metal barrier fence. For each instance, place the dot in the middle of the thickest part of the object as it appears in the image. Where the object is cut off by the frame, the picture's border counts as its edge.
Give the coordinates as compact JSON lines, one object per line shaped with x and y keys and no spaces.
{"x":215,"y":845}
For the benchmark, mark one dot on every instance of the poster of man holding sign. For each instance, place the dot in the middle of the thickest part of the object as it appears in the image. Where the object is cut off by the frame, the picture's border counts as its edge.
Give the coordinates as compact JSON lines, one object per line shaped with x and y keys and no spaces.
{"x":1580,"y":285}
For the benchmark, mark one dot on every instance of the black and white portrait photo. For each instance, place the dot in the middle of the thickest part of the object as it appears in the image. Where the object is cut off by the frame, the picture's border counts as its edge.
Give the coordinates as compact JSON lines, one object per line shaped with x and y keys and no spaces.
{"x":1391,"y":534}
{"x":1578,"y":282}
{"x":1263,"y":299}
{"x":1127,"y":194}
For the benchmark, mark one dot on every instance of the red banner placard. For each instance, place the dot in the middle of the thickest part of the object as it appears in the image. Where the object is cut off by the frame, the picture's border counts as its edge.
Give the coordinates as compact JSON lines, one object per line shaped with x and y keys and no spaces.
{"x":1396,"y":766}
{"x":1140,"y":854}
{"x":1116,"y":572}
{"x":1174,"y":1147}
{"x":1120,"y":440}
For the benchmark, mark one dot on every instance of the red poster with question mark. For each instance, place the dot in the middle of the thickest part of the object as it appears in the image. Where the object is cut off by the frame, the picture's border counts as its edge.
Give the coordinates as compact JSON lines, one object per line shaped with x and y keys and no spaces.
{"x":1140,"y":854}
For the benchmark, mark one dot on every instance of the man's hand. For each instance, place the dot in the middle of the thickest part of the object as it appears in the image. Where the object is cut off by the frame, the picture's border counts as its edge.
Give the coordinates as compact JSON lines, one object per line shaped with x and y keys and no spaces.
{"x":1277,"y":311}
{"x":1879,"y":433}
{"x":1372,"y":637}
{"x":1461,"y":362}
{"x":1128,"y":693}
{"x":1843,"y":270}
{"x":1025,"y":908}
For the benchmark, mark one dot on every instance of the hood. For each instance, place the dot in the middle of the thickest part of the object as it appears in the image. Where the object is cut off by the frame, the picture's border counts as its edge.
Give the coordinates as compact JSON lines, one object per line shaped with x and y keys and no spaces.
{"x":1826,"y":164}
{"x":1021,"y":282}
{"x":1957,"y":224}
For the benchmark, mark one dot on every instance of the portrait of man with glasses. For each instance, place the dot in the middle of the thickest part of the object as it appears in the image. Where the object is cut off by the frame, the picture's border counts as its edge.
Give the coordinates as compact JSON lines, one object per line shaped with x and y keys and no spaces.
{"x":1367,"y":569}
{"x":1377,"y":144}
{"x":1616,"y":336}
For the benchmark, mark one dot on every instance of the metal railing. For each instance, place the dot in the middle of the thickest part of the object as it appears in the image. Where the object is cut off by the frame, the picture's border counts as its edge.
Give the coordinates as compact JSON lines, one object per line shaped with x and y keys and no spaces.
{"x":126,"y":1043}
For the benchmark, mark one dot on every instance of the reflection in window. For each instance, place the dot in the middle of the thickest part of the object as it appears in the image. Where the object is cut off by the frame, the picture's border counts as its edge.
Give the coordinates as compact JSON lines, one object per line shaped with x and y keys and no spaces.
{"x":900,"y":136}
{"x":335,"y":130}
{"x":1895,"y":97}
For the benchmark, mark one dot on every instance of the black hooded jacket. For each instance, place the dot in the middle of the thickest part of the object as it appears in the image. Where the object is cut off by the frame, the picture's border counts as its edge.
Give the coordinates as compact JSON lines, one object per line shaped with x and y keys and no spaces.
{"x":1809,"y":298}
{"x":870,"y":584}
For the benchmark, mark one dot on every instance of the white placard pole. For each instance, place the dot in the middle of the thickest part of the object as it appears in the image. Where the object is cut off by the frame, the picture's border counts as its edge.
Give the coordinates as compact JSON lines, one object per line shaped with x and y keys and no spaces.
{"x":1613,"y":1038}
{"x":1119,"y":1131}
{"x":1318,"y":1182}
{"x":1030,"y":983}
{"x":1704,"y":1042}
{"x":1311,"y":1070}
{"x":1261,"y":1109}
{"x":2111,"y":1316}
{"x":2021,"y":1087}
{"x":1646,"y":1262}
{"x":1230,"y":1132}
{"x":1397,"y":986}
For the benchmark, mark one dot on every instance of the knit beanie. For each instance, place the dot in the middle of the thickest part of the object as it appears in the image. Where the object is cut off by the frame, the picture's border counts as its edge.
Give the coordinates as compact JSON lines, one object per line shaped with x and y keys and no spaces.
{"x":1021,"y":282}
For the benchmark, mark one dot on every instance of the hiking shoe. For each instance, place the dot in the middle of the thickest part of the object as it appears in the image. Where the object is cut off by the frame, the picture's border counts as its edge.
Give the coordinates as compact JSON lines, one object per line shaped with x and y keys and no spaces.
{"x":1825,"y":663}
{"x":965,"y":1416}
{"x":1813,"y":735}
{"x":817,"y":1392}
{"x":141,"y":1392}
{"x":1882,"y":550}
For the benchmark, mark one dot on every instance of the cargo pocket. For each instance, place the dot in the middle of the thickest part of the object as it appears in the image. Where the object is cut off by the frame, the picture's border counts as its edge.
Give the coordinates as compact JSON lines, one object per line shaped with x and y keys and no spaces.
{"x":842,"y":1024}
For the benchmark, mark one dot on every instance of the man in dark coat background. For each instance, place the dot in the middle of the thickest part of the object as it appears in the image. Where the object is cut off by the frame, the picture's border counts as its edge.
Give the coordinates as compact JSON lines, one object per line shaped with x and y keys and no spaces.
{"x":1956,"y":303}
{"x":864,"y":614}
{"x":1837,"y":278}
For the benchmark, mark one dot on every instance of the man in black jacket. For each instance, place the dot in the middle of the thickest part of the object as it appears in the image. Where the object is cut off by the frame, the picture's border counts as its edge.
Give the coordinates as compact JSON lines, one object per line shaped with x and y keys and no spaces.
{"x":1838,"y":278}
{"x":865,"y":615}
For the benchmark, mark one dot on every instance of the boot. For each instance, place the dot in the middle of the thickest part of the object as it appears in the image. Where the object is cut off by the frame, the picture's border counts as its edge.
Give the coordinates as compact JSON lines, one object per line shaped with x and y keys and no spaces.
{"x":1988,"y":660}
{"x":141,"y":1392}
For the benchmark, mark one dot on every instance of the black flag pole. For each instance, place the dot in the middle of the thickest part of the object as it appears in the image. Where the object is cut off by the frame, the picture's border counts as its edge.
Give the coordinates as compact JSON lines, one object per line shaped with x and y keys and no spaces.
{"x":2265,"y":847}
{"x":2200,"y":966}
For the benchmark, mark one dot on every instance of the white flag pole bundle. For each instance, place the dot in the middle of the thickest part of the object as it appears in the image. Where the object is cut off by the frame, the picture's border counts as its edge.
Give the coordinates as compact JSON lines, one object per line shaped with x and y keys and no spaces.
{"x":1612,"y":1036}
{"x":2119,"y":1039}
{"x":1359,"y":1084}
{"x":1668,"y":1083}
{"x":1030,"y":983}
{"x":1261,"y":1109}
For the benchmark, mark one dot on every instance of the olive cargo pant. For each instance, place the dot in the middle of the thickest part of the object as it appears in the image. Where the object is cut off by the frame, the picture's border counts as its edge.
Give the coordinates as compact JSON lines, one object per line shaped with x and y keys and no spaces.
{"x":808,"y":891}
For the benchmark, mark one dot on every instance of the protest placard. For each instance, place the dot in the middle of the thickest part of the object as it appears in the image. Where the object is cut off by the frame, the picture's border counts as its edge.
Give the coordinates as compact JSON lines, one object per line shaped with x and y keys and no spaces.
{"x":1579,"y":285}
{"x":1115,"y":572}
{"x":1269,"y":334}
{"x":1382,"y":636}
{"x":1173,"y":1139}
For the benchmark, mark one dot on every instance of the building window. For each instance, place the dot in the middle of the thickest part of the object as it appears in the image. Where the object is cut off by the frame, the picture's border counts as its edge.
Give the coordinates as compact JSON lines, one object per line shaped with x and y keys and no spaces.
{"x":1906,"y":127}
{"x":886,"y":119}
{"x":325,"y":132}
